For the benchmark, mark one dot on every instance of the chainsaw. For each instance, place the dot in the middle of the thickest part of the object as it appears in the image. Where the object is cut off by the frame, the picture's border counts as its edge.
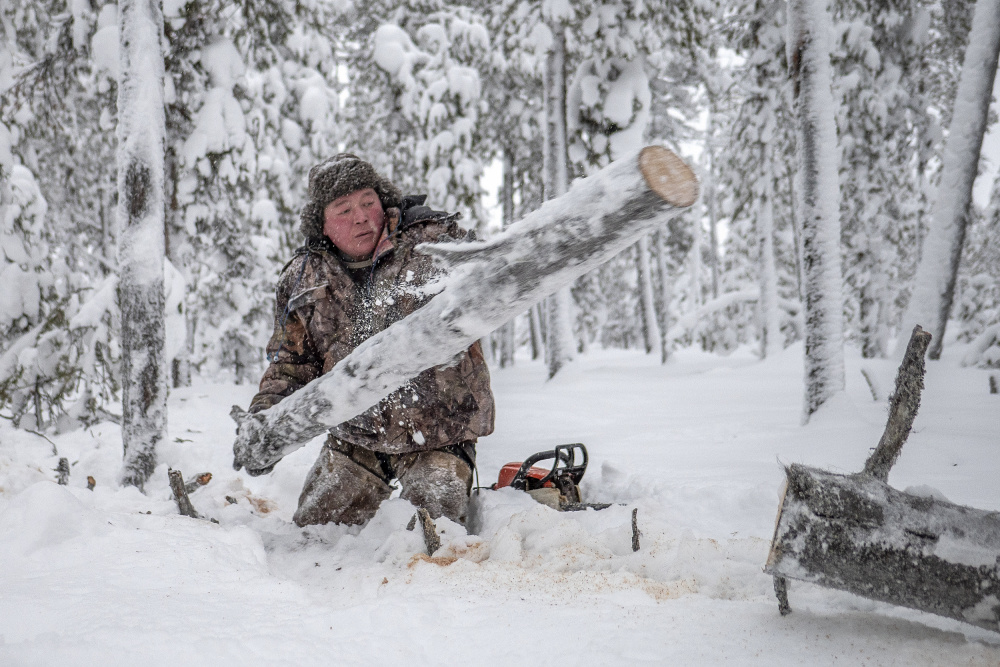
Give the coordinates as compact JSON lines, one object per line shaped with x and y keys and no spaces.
{"x":558,"y":487}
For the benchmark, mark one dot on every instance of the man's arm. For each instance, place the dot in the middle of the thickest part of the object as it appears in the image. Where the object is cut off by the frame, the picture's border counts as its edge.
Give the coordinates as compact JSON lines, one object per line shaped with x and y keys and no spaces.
{"x":294,"y":361}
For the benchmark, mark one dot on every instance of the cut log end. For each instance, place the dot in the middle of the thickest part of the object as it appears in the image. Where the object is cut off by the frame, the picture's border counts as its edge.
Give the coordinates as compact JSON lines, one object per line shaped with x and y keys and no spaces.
{"x":668,"y":176}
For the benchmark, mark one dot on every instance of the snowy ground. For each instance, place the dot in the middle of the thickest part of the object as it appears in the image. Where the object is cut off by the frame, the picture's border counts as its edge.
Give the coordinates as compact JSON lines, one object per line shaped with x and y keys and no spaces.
{"x":111,"y":576}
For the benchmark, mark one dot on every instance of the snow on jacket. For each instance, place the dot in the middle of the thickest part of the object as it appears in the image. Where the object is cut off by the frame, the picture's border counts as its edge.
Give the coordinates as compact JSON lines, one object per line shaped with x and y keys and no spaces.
{"x":322,"y":313}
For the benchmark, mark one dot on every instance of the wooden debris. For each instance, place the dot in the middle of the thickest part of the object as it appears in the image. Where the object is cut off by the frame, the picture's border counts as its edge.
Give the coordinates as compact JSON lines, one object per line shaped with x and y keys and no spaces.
{"x":855,"y":533}
{"x":635,"y":530}
{"x":62,"y":472}
{"x":180,"y":494}
{"x":198,"y":482}
{"x":431,"y":539}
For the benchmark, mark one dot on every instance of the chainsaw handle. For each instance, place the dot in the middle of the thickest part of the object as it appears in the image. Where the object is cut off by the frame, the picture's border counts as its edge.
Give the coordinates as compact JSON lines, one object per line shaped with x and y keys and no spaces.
{"x":562,"y":453}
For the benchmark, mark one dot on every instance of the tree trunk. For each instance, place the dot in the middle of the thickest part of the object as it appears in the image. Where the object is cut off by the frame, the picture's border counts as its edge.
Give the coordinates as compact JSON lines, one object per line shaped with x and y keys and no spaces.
{"x":666,"y":294}
{"x":696,"y":241}
{"x":713,"y":216}
{"x":650,"y":328}
{"x":818,"y":192}
{"x":140,"y":237}
{"x":490,"y":282}
{"x":559,"y":344}
{"x":508,"y":332}
{"x":934,"y":283}
{"x":771,"y":341}
{"x":537,"y":340}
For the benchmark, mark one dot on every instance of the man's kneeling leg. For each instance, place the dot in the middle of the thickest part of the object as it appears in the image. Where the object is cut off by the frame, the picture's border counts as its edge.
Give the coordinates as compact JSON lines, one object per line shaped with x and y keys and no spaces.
{"x":339,"y":490}
{"x":438,"y":481}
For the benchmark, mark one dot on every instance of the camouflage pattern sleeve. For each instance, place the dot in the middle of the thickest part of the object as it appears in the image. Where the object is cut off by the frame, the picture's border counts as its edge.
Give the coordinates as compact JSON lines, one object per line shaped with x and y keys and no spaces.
{"x":293,"y":359}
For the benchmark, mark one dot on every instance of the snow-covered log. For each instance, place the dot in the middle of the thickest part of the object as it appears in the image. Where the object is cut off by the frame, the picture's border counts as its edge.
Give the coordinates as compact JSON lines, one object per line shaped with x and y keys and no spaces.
{"x":856,"y":533}
{"x":488,"y":283}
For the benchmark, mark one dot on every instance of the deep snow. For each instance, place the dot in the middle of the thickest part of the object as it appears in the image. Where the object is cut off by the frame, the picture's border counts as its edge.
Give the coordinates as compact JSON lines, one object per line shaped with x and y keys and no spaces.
{"x":88,"y":577}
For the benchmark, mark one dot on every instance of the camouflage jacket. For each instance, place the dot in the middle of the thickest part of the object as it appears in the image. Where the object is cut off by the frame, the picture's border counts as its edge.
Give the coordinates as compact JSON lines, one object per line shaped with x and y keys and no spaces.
{"x":324,"y":310}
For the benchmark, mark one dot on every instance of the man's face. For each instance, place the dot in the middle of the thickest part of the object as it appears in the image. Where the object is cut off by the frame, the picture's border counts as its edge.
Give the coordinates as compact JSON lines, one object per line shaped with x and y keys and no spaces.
{"x":354,"y":223}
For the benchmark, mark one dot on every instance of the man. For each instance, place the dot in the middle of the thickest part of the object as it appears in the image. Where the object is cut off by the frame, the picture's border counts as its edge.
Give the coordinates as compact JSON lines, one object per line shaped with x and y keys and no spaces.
{"x":358,"y":273}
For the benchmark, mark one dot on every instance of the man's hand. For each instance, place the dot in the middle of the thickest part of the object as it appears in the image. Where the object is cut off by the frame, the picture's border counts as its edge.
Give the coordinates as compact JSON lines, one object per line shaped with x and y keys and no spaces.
{"x":251,"y":449}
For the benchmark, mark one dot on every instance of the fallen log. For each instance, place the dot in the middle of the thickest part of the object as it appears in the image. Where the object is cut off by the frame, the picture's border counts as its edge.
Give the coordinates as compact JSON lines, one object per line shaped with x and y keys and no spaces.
{"x":856,"y":533}
{"x":487,"y":284}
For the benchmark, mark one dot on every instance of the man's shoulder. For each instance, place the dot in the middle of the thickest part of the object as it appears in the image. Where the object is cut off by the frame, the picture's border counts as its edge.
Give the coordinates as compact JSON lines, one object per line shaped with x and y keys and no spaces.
{"x":310,"y":265}
{"x":422,"y":224}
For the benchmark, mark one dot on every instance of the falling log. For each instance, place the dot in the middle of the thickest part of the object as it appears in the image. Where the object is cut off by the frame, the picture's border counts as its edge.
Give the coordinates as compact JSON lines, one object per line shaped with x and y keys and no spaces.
{"x":856,"y":533}
{"x":488,"y":283}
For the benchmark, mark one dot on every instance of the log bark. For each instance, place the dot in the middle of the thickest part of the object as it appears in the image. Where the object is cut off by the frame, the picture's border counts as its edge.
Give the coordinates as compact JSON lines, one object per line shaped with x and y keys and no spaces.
{"x":856,"y":533}
{"x":488,"y":283}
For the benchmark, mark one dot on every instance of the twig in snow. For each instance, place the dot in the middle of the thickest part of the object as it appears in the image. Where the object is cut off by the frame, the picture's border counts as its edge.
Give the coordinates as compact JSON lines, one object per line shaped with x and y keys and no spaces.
{"x":635,"y":530}
{"x":62,"y":472}
{"x":872,"y":384}
{"x":781,"y":590}
{"x":431,"y":538}
{"x":55,"y":450}
{"x":994,"y":385}
{"x":198,"y":482}
{"x":180,"y":494}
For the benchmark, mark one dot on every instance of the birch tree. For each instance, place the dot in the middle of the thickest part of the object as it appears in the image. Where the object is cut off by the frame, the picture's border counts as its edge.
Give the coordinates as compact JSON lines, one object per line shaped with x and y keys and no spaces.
{"x":818,"y":197}
{"x":559,"y":344}
{"x":934,"y":283}
{"x":141,"y":247}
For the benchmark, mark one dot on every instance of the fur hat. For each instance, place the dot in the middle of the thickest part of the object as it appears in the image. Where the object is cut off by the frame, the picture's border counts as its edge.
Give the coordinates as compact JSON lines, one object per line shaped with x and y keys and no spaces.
{"x":335,"y":177}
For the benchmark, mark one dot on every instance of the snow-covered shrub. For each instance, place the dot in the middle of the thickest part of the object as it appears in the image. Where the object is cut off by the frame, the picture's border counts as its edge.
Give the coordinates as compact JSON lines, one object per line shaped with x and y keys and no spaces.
{"x":58,"y":349}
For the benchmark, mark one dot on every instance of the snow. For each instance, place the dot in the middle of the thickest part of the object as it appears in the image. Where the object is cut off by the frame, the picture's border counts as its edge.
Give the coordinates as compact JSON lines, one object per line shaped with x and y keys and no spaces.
{"x":89,"y":577}
{"x":105,"y":43}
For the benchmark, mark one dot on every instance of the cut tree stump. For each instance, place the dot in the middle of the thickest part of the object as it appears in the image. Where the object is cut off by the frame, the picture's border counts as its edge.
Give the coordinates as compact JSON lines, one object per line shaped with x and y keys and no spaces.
{"x":856,"y":533}
{"x":488,"y":283}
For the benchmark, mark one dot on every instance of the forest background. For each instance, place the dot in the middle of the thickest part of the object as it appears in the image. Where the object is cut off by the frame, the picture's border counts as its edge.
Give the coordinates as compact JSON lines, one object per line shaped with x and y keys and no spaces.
{"x":434,"y":94}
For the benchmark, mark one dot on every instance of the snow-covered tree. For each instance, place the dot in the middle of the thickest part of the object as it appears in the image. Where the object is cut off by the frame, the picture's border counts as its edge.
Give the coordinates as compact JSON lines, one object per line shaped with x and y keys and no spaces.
{"x":141,"y":246}
{"x":934,"y":283}
{"x":415,"y":99}
{"x":876,"y":84}
{"x":560,"y":347}
{"x":818,"y":198}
